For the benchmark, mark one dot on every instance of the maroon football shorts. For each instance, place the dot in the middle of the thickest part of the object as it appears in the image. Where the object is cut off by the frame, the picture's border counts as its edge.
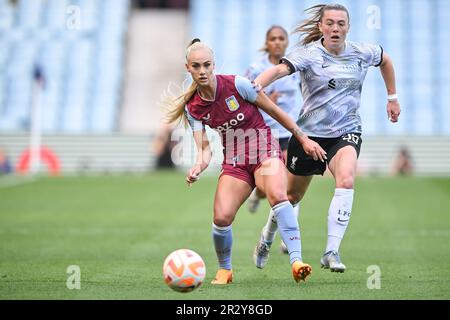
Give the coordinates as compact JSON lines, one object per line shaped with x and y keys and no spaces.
{"x":246,"y":172}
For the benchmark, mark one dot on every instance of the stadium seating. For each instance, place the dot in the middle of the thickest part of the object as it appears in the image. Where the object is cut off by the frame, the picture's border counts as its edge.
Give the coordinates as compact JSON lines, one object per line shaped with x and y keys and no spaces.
{"x":418,"y":51}
{"x":78,"y":45}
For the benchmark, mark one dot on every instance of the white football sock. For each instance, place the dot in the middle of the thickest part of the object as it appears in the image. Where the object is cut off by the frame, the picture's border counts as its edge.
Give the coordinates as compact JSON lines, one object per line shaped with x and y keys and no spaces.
{"x":338,"y":217}
{"x":296,"y":209}
{"x":253,"y":195}
{"x":270,"y":229}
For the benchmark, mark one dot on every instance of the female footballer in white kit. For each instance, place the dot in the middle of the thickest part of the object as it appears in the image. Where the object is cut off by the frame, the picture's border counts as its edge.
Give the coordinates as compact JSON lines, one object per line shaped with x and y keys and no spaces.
{"x":332,"y":72}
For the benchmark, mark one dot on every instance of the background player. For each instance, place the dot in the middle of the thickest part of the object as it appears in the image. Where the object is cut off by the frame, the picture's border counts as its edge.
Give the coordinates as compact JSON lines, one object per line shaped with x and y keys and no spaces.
{"x":284,"y":92}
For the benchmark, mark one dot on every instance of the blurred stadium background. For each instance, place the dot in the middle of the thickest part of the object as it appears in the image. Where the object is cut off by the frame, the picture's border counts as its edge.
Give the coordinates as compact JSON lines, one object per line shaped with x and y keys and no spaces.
{"x":96,"y":70}
{"x":83,"y":79}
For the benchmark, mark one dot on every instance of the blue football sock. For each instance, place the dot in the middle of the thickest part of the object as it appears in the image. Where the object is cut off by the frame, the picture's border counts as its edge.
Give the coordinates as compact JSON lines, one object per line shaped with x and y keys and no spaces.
{"x":289,"y":229}
{"x":223,"y":241}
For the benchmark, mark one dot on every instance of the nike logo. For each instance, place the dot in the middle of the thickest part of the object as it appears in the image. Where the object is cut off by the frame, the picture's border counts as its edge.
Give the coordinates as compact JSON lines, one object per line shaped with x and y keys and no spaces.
{"x":207,"y":118}
{"x":344,"y":214}
{"x":325,"y":66}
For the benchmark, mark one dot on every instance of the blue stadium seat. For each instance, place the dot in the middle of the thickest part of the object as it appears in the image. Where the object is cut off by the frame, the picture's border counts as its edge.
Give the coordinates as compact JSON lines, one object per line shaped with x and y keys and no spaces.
{"x":6,"y":16}
{"x":81,"y":61}
{"x":56,"y":14}
{"x":420,"y":56}
{"x":29,"y":14}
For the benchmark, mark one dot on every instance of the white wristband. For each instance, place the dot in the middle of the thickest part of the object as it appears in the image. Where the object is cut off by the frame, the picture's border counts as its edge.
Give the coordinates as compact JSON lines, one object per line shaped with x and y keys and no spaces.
{"x":392,"y":97}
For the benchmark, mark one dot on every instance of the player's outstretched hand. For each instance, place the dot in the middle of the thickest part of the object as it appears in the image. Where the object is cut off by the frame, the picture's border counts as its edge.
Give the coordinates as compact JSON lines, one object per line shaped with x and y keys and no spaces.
{"x":393,"y":110}
{"x":314,"y":150}
{"x":193,"y":175}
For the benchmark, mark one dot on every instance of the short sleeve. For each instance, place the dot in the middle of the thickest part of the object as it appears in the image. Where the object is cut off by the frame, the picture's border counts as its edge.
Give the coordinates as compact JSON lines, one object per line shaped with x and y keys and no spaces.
{"x":245,"y":89}
{"x":373,"y":54}
{"x":299,"y":59}
{"x":195,"y":124}
{"x":251,"y":73}
{"x":258,"y":66}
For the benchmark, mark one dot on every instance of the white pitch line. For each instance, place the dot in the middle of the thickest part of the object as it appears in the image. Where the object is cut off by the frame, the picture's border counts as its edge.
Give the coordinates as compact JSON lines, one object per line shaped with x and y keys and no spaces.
{"x":12,"y":181}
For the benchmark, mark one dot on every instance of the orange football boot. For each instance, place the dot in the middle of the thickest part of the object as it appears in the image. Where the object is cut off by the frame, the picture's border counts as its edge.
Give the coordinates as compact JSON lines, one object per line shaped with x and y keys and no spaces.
{"x":223,"y":276}
{"x":300,"y":270}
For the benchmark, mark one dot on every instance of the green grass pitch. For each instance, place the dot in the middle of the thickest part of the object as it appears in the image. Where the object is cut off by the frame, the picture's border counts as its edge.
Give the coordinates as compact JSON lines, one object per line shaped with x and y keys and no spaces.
{"x":119,"y":229}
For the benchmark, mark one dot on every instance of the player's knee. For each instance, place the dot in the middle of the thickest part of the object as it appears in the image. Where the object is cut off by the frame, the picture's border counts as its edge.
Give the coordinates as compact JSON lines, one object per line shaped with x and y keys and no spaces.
{"x":260,"y":194}
{"x":346,"y":182}
{"x":276,"y":196}
{"x":222,"y":221}
{"x":294,"y":197}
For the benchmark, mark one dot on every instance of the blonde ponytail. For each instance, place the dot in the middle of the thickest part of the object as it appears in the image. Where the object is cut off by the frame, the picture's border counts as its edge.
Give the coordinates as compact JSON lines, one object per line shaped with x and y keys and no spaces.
{"x":176,"y":104}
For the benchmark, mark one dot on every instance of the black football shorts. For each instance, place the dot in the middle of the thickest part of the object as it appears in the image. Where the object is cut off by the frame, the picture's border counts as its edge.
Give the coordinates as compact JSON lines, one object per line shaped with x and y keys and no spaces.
{"x":300,"y":164}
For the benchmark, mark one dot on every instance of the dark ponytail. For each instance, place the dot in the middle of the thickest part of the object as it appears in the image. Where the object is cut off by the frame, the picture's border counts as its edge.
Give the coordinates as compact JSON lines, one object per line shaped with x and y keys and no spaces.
{"x":310,"y":27}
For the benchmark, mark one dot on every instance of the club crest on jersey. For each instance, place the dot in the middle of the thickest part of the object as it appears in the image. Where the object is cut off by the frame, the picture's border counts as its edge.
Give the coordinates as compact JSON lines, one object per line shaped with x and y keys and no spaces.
{"x":232,"y":103}
{"x":207,"y":117}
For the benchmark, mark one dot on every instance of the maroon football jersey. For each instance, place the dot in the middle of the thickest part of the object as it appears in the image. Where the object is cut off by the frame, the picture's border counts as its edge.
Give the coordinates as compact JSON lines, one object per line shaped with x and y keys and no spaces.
{"x":245,"y":136}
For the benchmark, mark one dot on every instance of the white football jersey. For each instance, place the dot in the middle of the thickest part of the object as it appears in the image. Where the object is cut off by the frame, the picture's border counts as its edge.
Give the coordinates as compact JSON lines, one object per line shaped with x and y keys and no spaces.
{"x":290,"y":97}
{"x":331,"y":86}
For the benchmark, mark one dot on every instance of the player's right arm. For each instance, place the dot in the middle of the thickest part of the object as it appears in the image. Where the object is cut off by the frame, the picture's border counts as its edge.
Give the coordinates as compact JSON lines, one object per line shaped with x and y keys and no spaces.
{"x":298,"y":60}
{"x":270,"y":75}
{"x":204,"y":156}
{"x":204,"y":153}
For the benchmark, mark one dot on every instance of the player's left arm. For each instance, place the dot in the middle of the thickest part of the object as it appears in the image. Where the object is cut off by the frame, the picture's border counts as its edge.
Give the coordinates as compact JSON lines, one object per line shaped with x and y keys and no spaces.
{"x":388,"y":73}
